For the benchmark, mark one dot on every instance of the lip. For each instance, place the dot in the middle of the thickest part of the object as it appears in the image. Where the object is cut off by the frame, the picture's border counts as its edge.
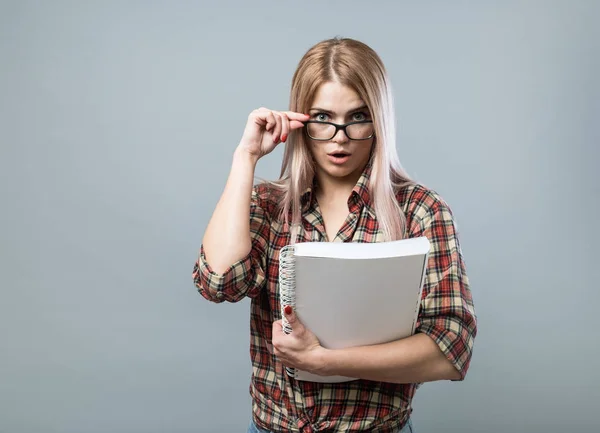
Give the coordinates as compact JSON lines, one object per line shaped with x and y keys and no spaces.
{"x":338,"y":160}
{"x":340,"y":152}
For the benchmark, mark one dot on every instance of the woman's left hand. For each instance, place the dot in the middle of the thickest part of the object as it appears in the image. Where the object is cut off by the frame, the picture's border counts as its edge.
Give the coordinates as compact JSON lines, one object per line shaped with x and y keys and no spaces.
{"x":299,"y":349}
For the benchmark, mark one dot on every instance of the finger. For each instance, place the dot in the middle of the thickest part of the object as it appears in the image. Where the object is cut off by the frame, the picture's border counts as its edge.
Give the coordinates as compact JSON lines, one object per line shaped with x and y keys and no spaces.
{"x":278,"y":331}
{"x":294,"y":124}
{"x":292,"y":115}
{"x":260,"y":112}
{"x":271,"y":121}
{"x":258,"y":116}
{"x":277,"y":129}
{"x":285,"y":127}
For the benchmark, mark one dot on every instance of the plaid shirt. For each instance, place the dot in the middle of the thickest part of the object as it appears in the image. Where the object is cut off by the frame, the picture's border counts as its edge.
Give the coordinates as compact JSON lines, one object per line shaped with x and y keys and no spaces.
{"x":283,"y":404}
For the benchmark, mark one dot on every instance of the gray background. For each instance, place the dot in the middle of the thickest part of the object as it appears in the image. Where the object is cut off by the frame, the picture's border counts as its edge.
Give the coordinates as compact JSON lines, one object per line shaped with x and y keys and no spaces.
{"x":117,"y":125}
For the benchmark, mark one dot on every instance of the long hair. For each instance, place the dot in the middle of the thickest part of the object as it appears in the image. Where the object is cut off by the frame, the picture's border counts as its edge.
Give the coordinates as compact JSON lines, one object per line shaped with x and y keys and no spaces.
{"x":353,"y":64}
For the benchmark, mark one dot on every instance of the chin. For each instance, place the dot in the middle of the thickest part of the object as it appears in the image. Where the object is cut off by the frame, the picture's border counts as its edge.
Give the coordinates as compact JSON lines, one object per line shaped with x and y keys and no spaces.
{"x":339,"y":172}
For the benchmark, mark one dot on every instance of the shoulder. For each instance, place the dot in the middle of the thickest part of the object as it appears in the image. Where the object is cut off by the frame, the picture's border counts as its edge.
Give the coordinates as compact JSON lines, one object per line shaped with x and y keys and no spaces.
{"x":421,"y":206}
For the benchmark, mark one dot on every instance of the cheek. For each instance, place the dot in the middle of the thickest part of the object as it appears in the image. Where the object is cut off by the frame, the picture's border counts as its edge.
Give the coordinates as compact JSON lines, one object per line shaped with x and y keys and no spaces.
{"x":365,"y":149}
{"x":316,"y":150}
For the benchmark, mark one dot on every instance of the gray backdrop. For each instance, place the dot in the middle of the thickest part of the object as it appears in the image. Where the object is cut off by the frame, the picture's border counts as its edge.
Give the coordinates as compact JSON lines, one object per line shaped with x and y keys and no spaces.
{"x":117,"y":125}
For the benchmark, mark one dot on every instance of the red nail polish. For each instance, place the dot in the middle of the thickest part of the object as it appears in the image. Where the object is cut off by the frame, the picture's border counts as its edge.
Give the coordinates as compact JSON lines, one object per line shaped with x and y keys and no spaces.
{"x":283,"y":138}
{"x":288,"y":309}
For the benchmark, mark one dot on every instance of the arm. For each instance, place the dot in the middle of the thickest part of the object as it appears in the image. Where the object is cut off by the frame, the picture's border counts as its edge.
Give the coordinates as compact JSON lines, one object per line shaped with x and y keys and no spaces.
{"x":227,"y":237}
{"x":232,"y":259}
{"x":410,"y":360}
{"x":447,"y":313}
{"x":442,"y":346}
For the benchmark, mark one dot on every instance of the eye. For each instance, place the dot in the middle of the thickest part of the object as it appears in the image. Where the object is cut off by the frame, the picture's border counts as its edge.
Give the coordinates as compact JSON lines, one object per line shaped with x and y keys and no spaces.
{"x":359,"y":116}
{"x":321,"y":117}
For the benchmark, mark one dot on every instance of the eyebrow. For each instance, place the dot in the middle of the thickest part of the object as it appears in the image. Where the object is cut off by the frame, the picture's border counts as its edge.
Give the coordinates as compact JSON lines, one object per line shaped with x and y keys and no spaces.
{"x":362,"y":107}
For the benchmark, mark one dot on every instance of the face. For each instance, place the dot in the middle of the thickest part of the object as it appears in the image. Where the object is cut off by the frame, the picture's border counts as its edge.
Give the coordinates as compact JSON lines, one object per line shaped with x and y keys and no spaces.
{"x":340,"y":158}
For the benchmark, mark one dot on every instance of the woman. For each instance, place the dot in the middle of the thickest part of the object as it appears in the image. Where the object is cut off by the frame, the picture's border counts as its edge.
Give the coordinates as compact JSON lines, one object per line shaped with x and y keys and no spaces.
{"x":341,"y":181}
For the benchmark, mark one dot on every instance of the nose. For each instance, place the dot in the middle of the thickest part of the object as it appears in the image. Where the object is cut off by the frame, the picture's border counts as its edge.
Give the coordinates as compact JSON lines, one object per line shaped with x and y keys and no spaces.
{"x":340,"y":137}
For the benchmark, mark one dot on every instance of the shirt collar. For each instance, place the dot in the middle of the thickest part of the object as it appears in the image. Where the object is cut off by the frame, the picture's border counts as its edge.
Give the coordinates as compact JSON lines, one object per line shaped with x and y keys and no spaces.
{"x":306,"y":199}
{"x":360,"y":193}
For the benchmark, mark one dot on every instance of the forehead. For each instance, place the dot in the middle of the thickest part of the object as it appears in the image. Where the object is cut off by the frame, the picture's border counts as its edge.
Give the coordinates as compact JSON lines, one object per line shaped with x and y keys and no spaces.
{"x":336,"y":97}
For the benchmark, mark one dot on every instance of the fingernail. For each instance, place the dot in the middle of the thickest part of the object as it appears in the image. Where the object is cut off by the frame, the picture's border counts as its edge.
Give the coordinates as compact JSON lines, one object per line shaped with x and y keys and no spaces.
{"x":288,"y":309}
{"x":283,"y":137}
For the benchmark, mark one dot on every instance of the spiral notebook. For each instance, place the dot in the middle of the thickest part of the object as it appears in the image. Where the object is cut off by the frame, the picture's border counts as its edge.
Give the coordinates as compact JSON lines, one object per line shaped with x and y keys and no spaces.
{"x":353,"y":294}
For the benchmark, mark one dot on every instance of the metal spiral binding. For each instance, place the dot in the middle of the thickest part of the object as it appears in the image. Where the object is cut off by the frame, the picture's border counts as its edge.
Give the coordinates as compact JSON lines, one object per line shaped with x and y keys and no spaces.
{"x":287,"y":282}
{"x":287,"y":289}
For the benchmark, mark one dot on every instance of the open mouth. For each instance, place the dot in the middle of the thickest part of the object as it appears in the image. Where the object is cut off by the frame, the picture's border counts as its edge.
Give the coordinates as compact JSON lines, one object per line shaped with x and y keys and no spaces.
{"x":338,"y":158}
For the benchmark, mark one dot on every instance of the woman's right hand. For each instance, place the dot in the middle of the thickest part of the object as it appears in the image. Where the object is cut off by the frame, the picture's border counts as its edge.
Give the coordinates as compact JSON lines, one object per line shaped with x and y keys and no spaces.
{"x":266,"y":128}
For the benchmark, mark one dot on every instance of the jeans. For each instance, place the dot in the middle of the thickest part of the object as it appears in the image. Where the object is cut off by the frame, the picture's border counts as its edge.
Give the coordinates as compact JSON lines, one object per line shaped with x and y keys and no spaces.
{"x":253,"y":428}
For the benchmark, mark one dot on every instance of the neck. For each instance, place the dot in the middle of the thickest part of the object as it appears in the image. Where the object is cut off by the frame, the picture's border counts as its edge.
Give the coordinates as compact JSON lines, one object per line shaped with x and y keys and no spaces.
{"x":332,"y":189}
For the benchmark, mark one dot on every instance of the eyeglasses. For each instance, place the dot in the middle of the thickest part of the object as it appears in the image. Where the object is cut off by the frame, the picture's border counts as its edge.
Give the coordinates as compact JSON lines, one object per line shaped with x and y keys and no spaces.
{"x":324,"y":131}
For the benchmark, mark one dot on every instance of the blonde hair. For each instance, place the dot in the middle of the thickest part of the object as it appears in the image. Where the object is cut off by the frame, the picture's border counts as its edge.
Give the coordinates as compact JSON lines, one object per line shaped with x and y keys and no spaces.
{"x":353,"y":64}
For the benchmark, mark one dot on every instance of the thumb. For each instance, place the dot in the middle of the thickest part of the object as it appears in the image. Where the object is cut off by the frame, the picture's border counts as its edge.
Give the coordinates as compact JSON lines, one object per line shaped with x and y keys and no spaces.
{"x":290,"y":314}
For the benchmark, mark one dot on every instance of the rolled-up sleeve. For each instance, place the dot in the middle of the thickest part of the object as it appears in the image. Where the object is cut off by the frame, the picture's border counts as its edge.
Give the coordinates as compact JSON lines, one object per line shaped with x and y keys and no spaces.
{"x":246,"y":277}
{"x":447,"y":312}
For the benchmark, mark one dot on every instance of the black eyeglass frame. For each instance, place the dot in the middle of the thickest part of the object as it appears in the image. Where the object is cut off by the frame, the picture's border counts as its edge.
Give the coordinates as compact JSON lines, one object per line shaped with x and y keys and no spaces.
{"x":337,"y":128}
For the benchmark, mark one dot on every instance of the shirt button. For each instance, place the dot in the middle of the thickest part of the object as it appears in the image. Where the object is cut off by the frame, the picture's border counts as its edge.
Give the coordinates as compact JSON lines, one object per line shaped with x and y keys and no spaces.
{"x":219,"y":295}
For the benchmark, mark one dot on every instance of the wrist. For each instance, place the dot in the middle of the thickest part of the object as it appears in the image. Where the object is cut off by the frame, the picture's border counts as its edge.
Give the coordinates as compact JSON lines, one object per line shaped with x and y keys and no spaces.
{"x":243,"y":156}
{"x":323,"y":361}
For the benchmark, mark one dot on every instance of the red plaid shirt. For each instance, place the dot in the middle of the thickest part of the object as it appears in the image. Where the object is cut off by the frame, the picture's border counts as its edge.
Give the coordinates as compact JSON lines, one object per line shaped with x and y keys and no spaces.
{"x":283,"y":404}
